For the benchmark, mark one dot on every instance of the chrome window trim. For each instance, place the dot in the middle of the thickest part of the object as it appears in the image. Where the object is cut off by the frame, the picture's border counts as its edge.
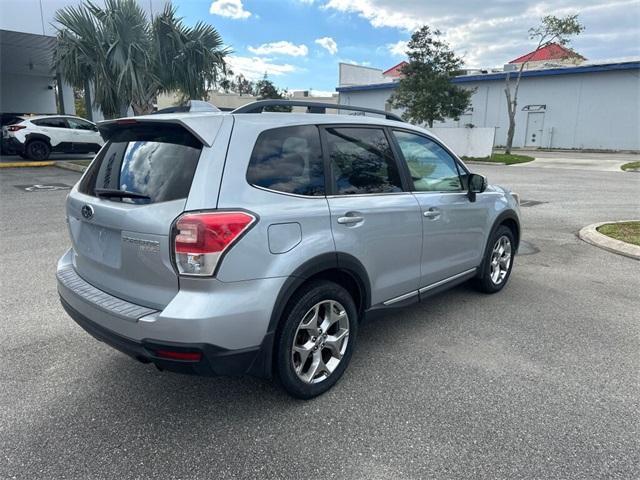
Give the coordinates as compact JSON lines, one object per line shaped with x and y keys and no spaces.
{"x":378,"y":194}
{"x":438,"y":192}
{"x":463,"y":192}
{"x":297,"y":195}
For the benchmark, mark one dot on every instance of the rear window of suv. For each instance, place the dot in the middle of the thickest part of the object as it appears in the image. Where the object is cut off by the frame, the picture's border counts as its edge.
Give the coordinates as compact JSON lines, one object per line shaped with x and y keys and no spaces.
{"x":157,"y":161}
{"x":288,"y":160}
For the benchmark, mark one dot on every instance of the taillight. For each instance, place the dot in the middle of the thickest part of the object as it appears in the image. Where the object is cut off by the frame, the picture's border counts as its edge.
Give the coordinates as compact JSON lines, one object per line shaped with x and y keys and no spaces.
{"x":15,"y":128}
{"x":200,"y":239}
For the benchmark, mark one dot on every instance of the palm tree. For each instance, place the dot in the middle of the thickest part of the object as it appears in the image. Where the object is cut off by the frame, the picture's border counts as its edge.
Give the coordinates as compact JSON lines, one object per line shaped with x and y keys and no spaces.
{"x":189,"y":59}
{"x":129,"y":60}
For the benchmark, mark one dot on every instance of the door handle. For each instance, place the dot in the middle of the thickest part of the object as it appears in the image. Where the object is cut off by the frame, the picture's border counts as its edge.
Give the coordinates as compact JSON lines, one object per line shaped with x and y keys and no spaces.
{"x":350,"y":220}
{"x":432,"y":213}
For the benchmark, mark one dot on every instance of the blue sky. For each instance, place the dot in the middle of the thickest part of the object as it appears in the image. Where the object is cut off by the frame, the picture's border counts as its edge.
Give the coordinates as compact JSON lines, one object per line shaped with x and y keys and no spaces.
{"x":299,"y":43}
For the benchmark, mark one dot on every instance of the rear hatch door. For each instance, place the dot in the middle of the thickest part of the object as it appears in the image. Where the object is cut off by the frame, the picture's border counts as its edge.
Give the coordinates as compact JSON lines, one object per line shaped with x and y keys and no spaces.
{"x":120,"y":214}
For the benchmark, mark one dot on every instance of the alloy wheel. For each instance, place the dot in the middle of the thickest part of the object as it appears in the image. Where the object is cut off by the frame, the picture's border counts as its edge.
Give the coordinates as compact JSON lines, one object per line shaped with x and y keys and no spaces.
{"x":500,"y":259}
{"x":320,"y":341}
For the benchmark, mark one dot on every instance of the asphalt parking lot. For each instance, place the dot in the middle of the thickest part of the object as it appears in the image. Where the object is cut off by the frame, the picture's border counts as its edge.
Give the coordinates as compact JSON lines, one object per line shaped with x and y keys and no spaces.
{"x":539,"y":381}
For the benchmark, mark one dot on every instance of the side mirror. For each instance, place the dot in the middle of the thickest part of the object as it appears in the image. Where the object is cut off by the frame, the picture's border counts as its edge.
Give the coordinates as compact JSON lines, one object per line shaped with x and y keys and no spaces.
{"x":477,"y":184}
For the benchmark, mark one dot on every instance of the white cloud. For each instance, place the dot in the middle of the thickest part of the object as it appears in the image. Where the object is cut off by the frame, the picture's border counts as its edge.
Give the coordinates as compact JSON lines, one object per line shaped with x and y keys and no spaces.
{"x":229,"y":8}
{"x":489,"y":33}
{"x":280,"y":48}
{"x":354,"y":62}
{"x":379,"y":13}
{"x":328,"y":44}
{"x":399,"y":49}
{"x":254,"y":68}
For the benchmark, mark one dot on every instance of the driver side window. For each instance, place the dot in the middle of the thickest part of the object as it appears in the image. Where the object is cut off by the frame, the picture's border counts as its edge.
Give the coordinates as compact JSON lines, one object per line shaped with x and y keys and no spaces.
{"x":432,"y":169}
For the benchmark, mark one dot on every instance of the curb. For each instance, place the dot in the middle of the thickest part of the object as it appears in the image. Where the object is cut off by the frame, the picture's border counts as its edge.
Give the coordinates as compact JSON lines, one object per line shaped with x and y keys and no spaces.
{"x":591,"y":235}
{"x":484,"y":163}
{"x":71,"y":166}
{"x":26,"y":164}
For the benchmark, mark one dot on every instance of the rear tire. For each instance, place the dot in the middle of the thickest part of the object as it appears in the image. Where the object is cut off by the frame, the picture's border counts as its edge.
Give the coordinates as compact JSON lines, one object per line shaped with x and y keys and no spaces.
{"x":316,"y":340}
{"x":37,"y":150}
{"x":498,"y":261}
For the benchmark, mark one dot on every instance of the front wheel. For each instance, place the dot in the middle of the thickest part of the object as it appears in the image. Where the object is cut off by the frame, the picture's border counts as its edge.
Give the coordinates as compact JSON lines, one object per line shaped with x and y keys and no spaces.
{"x":317,"y":339}
{"x":498,"y":261}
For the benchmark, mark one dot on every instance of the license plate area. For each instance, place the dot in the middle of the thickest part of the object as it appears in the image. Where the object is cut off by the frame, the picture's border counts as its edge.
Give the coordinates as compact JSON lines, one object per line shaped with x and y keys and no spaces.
{"x":97,"y":243}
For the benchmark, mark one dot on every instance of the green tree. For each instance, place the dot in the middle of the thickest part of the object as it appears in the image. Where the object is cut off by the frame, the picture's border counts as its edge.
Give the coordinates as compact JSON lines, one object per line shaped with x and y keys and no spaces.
{"x":550,"y":30}
{"x":189,"y":60}
{"x":128,"y":59}
{"x":265,"y":89}
{"x":426,"y":92}
{"x":78,"y":99}
{"x":242,"y":86}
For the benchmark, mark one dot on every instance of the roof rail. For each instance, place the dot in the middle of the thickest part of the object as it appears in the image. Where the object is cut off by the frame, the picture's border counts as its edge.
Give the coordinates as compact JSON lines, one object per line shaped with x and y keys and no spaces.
{"x":312,"y":107}
{"x":192,"y":106}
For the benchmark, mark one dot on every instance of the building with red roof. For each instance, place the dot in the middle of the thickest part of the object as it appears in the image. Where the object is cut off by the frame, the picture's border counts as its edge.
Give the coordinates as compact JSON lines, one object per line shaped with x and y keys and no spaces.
{"x":551,"y":55}
{"x":395,"y":71}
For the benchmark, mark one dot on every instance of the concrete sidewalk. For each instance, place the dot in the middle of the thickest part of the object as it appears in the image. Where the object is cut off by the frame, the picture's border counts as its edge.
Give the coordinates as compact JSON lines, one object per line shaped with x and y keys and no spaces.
{"x":603,"y":162}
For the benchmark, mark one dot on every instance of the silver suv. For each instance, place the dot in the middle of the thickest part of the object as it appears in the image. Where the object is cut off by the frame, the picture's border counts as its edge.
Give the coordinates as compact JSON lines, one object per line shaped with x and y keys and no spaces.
{"x":255,"y":243}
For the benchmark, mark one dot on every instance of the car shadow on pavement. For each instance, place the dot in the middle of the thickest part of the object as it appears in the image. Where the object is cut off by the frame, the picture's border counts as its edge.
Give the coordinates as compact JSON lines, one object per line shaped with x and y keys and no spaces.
{"x":118,"y":404}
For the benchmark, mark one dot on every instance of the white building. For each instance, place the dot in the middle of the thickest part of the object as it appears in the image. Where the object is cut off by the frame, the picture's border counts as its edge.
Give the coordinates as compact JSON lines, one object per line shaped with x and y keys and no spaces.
{"x":590,"y":106}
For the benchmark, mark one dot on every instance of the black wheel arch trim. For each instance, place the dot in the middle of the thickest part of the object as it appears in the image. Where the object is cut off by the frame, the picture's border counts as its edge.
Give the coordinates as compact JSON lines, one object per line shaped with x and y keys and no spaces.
{"x":327,"y":261}
{"x":37,"y":136}
{"x":508,"y":215}
{"x":500,"y":219}
{"x":321,"y":263}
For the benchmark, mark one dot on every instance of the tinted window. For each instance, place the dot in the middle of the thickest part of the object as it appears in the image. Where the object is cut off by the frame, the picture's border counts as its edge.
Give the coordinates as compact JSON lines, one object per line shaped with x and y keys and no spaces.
{"x":156,"y":161}
{"x":78,"y":124}
{"x":51,"y":122}
{"x":432,"y":168}
{"x":361,"y":161}
{"x":288,"y":160}
{"x":11,"y":120}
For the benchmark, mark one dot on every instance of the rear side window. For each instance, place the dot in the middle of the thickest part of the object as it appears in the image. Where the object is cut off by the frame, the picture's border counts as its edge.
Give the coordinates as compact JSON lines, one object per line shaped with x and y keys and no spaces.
{"x":78,"y":124}
{"x":51,"y":122}
{"x":157,"y":161}
{"x":362,"y":161}
{"x":288,"y":160}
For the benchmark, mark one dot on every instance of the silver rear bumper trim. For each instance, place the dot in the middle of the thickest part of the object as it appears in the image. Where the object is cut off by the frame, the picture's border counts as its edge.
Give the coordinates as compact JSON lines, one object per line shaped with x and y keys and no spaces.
{"x":68,"y":278}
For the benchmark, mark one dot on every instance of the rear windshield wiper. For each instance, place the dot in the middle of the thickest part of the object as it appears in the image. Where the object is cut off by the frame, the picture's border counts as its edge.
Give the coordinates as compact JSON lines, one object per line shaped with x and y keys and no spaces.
{"x":114,"y":193}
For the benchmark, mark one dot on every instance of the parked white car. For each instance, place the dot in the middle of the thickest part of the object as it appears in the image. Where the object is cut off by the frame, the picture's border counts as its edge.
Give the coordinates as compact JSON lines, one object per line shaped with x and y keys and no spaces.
{"x":36,"y":137}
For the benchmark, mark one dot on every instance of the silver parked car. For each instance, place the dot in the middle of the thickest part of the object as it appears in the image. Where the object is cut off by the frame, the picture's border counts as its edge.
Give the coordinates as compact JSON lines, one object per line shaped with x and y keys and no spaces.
{"x":255,"y":243}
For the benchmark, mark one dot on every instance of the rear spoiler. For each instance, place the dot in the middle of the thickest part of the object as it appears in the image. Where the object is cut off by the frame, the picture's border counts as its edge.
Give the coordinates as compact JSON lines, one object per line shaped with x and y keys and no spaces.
{"x":204,"y":127}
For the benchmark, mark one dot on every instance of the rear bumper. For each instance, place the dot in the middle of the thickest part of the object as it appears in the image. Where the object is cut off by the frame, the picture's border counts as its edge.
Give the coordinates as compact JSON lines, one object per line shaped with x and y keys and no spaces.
{"x":214,"y":360}
{"x":12,"y":145}
{"x":227,"y":323}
